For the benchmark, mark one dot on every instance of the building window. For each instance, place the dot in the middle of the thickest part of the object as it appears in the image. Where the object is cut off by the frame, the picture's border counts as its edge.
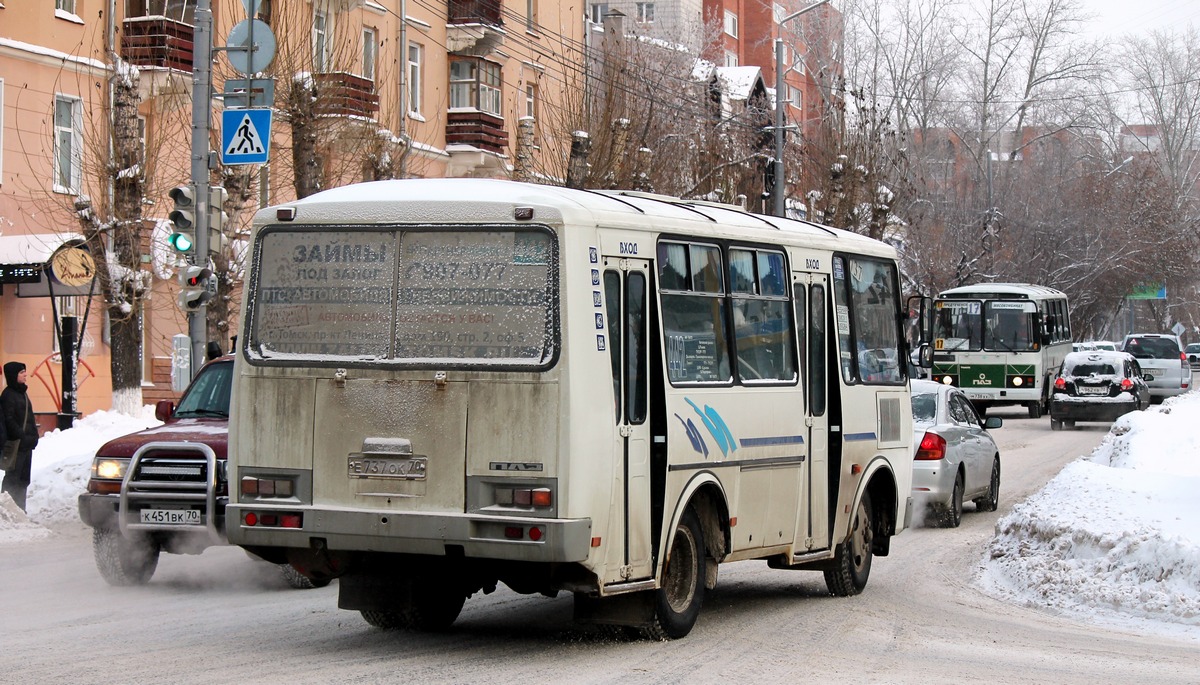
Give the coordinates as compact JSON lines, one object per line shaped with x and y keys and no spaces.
{"x":796,"y":97}
{"x":731,"y":27}
{"x":596,"y":12}
{"x":183,"y":11}
{"x":645,"y":13}
{"x":414,"y":77}
{"x":65,"y":5}
{"x":731,"y":59}
{"x":531,"y":101}
{"x":369,"y":51}
{"x":320,"y":41}
{"x":68,"y":144}
{"x":531,"y":8}
{"x":475,"y":84}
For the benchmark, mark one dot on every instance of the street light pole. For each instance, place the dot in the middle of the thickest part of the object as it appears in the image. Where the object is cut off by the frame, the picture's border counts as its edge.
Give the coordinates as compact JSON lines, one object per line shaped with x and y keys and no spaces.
{"x":778,"y":202}
{"x":201,"y":123}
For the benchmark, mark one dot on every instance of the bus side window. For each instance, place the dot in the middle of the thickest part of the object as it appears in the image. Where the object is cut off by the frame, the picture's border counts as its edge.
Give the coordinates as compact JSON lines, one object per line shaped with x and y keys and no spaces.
{"x":802,"y":334}
{"x":816,"y":350}
{"x":636,"y":382}
{"x":612,"y":305}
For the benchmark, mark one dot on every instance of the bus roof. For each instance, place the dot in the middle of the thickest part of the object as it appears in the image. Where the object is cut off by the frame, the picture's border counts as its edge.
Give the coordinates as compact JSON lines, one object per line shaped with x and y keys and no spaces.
{"x":462,"y":200}
{"x":1001,"y":291}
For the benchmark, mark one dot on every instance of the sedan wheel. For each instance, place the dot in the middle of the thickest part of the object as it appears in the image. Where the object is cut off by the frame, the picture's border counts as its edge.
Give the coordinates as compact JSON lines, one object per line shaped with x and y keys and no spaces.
{"x":991,"y":501}
{"x":952,"y":515}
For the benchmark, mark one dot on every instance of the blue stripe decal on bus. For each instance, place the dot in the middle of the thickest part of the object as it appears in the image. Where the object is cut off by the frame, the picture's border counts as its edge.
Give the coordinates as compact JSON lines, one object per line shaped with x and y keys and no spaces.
{"x":859,"y":436}
{"x":779,"y":440}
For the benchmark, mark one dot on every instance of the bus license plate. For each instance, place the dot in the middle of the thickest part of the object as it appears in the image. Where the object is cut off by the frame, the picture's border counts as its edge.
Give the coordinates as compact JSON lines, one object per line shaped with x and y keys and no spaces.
{"x":978,"y":396}
{"x":404,"y":468}
{"x":190,"y":517}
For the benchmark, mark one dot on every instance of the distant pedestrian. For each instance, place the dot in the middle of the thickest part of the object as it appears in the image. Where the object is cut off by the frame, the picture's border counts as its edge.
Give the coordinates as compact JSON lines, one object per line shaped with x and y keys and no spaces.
{"x":20,"y":424}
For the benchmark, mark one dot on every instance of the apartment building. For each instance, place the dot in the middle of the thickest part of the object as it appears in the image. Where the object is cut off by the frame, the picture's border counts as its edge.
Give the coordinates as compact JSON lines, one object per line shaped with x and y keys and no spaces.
{"x":363,"y":89}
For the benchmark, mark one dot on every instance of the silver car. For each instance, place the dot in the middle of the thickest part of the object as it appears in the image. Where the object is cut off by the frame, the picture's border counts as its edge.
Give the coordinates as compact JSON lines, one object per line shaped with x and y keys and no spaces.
{"x":1164,"y":366}
{"x":955,"y":456}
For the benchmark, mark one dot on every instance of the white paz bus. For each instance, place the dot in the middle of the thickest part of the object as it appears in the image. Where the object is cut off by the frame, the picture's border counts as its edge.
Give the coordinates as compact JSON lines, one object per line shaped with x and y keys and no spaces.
{"x":1002,"y":343}
{"x":447,"y":384}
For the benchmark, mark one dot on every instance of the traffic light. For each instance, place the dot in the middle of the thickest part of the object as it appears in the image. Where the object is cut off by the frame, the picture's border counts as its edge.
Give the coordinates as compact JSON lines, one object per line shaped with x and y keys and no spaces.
{"x":216,"y":219}
{"x":183,"y":240}
{"x":196,"y":286}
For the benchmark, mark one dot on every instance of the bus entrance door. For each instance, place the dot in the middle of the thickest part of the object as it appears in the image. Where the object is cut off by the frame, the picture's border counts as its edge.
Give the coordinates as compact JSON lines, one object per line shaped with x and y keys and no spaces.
{"x":626,"y":290}
{"x":812,"y":332}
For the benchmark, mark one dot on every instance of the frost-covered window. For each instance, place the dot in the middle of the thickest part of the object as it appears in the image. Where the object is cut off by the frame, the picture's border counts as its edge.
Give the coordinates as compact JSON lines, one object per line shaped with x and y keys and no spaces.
{"x":731,"y":24}
{"x":415,"y":59}
{"x":370,"y":49}
{"x":731,"y":59}
{"x":320,"y":41}
{"x":475,"y":84}
{"x":444,"y":298}
{"x":68,"y":143}
{"x":645,"y":12}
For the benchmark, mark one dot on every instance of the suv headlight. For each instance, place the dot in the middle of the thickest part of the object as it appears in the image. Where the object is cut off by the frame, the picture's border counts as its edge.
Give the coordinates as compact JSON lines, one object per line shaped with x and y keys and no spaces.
{"x":109,"y":468}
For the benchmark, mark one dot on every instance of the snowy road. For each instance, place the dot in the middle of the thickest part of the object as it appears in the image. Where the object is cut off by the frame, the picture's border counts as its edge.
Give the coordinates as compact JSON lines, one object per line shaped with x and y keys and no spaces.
{"x":222,"y":618}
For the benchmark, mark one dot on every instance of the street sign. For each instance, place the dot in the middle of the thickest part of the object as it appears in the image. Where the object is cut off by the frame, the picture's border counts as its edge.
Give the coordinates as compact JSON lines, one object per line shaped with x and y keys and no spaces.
{"x":247,"y":57}
{"x":1178,"y":328}
{"x":245,"y":136}
{"x":252,"y":92}
{"x":1149,"y":292}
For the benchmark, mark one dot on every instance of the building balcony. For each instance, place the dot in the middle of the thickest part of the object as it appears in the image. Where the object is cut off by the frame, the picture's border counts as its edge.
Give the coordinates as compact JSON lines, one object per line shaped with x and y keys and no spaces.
{"x":479,"y":129}
{"x":157,"y":42}
{"x":343,"y":94}
{"x":474,"y":27}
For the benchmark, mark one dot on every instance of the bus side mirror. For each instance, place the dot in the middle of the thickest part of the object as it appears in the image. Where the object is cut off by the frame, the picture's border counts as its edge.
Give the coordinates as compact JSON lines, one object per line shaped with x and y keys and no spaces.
{"x":925,"y":356}
{"x":921,"y":306}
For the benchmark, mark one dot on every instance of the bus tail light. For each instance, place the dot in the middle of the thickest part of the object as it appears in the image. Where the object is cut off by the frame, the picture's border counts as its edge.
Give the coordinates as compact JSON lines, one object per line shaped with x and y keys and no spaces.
{"x":273,"y":520}
{"x":267,"y":487}
{"x":538,"y":498}
{"x":933,"y":448}
{"x":535,"y":533}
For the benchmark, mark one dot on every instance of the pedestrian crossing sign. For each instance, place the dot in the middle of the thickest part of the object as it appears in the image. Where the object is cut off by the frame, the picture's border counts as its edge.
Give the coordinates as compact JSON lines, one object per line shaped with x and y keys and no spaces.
{"x":245,"y":136}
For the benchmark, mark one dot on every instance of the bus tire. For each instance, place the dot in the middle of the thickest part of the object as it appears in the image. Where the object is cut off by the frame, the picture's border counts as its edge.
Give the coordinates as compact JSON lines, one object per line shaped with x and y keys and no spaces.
{"x":677,"y":602}
{"x":298,"y":580}
{"x":853,"y":558}
{"x":1035,"y":409}
{"x":121,"y":561}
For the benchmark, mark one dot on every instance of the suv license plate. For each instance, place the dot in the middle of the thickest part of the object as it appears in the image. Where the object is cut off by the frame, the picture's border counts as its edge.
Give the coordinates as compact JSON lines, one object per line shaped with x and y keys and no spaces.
{"x":189,"y":517}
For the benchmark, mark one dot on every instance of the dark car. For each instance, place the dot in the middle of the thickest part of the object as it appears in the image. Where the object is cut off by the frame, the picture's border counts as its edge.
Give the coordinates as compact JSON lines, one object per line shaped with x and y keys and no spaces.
{"x":164,"y":489}
{"x":1097,"y":386}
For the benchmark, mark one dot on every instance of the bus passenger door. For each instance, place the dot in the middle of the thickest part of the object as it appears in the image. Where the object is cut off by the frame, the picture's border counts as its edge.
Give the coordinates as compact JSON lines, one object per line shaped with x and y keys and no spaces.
{"x":812,"y":332}
{"x":626,"y":294}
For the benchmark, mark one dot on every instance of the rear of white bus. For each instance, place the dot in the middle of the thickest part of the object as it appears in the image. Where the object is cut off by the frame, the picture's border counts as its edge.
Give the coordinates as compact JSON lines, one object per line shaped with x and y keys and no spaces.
{"x":365,"y":349}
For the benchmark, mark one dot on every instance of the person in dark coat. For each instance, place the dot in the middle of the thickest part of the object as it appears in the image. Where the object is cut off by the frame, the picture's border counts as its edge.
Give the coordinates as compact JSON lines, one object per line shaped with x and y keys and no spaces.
{"x":19,"y":424}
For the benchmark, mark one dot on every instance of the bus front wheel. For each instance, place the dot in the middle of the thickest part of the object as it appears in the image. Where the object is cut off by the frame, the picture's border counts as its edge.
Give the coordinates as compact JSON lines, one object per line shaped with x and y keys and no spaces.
{"x":677,"y":602}
{"x":853,"y":559}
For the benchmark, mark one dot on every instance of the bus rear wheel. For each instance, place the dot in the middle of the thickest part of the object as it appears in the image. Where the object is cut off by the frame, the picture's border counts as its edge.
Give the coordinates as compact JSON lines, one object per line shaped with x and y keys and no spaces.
{"x":853,"y":557}
{"x":677,"y":602}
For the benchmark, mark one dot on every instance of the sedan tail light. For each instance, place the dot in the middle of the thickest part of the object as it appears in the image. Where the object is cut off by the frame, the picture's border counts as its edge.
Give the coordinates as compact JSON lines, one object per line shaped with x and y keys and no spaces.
{"x":1126,"y":385}
{"x":1060,"y":383}
{"x":933,"y":448}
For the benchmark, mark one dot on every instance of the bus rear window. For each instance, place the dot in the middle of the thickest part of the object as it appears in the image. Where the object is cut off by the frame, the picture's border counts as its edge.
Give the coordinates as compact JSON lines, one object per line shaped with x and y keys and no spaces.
{"x":446,"y":298}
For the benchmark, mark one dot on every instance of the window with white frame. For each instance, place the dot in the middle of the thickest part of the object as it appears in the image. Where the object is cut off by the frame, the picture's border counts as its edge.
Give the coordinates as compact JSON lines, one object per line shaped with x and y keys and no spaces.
{"x":645,"y":12}
{"x":370,"y":47}
{"x":731,"y":24}
{"x":731,"y":59}
{"x":795,"y":97}
{"x":531,"y":100}
{"x":415,"y":55}
{"x":596,"y":12}
{"x":183,"y":11}
{"x":68,"y":143}
{"x":475,"y":84}
{"x":65,"y":5}
{"x":320,"y":39}
{"x":531,"y":10}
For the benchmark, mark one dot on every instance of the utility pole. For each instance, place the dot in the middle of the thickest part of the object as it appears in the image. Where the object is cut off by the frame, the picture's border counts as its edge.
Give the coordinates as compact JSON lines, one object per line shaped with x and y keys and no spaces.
{"x":201,"y":122}
{"x":778,"y":201}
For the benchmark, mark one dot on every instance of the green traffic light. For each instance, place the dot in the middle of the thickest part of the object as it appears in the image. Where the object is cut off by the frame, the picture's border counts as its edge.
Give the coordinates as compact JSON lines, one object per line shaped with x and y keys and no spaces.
{"x":181,"y":242}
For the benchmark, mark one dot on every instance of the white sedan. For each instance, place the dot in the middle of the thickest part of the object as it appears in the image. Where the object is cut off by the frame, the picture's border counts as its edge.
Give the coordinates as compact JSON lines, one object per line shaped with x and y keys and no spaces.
{"x":956,"y":458}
